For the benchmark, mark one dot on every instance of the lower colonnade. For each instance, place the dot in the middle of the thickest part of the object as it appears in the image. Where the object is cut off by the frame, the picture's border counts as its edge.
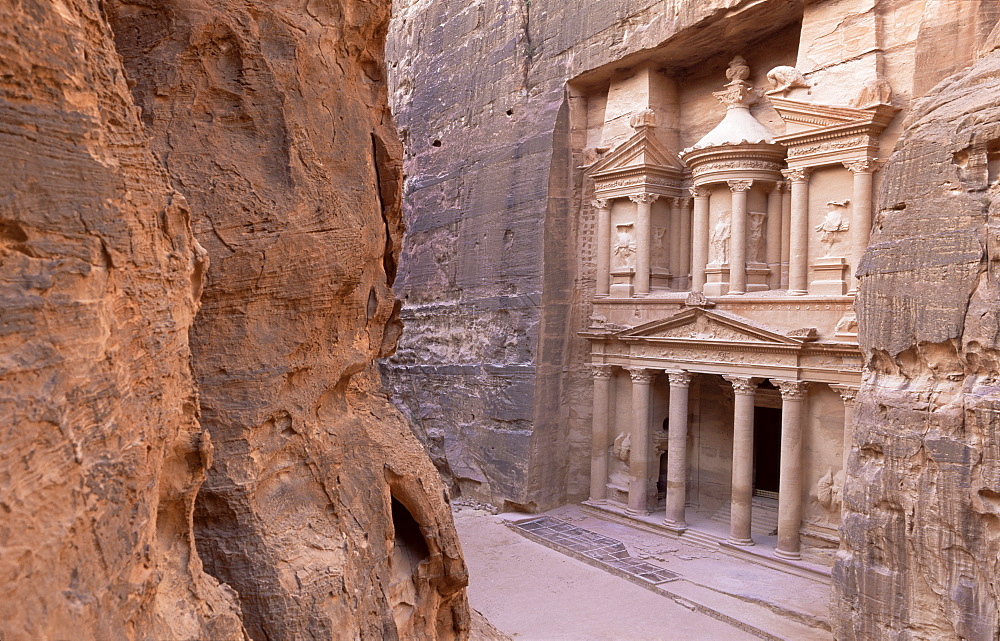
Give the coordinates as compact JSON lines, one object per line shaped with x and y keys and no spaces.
{"x":793,"y":395}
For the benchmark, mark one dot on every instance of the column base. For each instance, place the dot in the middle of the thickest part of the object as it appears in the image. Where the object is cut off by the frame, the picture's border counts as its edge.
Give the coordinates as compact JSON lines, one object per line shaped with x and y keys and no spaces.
{"x":790,"y":556}
{"x":797,"y":292}
{"x":740,"y":542}
{"x":595,"y":502}
{"x":677,"y":527}
{"x":633,"y":512}
{"x":640,"y":294}
{"x":602,"y":295}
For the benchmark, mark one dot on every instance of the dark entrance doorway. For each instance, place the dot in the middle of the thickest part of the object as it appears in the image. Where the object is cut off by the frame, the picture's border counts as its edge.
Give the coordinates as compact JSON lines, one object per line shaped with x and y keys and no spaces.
{"x":766,"y":450}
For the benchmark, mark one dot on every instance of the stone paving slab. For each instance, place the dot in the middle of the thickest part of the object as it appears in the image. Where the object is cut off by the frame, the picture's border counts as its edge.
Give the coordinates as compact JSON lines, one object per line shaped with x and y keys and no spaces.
{"x":603,"y":549}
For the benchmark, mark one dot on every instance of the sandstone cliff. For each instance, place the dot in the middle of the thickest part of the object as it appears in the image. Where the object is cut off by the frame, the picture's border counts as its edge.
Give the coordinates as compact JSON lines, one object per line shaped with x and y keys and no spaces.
{"x":264,"y":129}
{"x":921,"y":529}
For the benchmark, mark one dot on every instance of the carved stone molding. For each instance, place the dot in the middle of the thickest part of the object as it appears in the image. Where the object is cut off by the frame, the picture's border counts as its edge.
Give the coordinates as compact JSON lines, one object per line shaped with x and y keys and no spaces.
{"x":600,"y":203}
{"x":796,"y":174}
{"x":739,"y":185}
{"x":791,"y":390}
{"x":848,"y":393}
{"x":679,"y":378}
{"x":644,"y":198}
{"x":601,"y":371}
{"x":865,"y":165}
{"x":699,"y":192}
{"x":641,"y":375}
{"x":743,"y":385}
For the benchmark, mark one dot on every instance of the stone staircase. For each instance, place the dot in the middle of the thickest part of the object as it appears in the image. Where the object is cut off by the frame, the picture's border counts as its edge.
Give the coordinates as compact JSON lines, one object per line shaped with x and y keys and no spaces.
{"x":763,"y":519}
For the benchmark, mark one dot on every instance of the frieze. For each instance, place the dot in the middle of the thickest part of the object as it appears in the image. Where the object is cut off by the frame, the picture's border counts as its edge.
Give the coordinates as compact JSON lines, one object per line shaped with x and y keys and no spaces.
{"x":602,"y":185}
{"x":735,"y":164}
{"x":833,"y":145}
{"x":694,"y":354}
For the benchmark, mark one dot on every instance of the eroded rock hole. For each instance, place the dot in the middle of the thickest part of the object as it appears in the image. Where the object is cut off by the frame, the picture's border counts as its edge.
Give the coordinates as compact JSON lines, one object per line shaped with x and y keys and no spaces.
{"x":408,"y":551}
{"x":436,"y":143}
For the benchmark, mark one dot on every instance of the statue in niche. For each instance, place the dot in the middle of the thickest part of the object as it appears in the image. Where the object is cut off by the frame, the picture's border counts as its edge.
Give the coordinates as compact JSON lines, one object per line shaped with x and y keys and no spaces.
{"x":658,"y":234}
{"x":720,"y":240}
{"x":784,"y":78}
{"x":622,"y":447}
{"x":755,"y":237}
{"x":624,"y":247}
{"x":833,"y":225}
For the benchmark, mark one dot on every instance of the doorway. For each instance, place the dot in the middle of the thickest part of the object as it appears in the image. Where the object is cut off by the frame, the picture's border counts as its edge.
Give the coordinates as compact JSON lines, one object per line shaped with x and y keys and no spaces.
{"x":766,"y":451}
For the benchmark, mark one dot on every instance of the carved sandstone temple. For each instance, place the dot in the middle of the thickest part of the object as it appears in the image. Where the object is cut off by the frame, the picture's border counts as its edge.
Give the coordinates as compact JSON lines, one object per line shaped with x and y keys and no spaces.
{"x":723,"y":338}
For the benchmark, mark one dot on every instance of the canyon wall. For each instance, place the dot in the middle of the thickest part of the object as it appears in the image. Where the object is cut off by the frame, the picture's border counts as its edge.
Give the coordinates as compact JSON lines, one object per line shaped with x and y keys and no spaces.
{"x":493,"y":285}
{"x":921,"y":526}
{"x":132,"y":132}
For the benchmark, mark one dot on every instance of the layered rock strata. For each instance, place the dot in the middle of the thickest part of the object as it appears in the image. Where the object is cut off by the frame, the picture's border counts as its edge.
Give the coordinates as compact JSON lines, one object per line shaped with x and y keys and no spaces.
{"x":921,"y":526}
{"x":263,"y":129}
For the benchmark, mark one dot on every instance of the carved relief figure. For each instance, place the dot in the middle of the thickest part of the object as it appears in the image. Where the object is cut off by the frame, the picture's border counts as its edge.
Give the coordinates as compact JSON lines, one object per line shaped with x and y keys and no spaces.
{"x":622,"y":447}
{"x":755,"y":237}
{"x":828,"y":493}
{"x":875,"y":92}
{"x":624,"y":247}
{"x":784,"y":78}
{"x":658,"y":234}
{"x":833,"y":225}
{"x":720,"y":240}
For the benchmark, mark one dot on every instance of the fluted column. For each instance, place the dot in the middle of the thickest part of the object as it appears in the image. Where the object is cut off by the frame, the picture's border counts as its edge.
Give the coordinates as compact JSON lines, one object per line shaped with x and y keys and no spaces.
{"x":601,"y":432}
{"x":699,"y":248}
{"x":603,"y":242}
{"x":742,"y":502}
{"x":798,"y":242}
{"x":685,"y":253}
{"x":849,"y":395}
{"x":793,"y":394}
{"x":644,"y":204}
{"x":677,"y":450}
{"x":674,"y":229}
{"x":786,"y":226}
{"x":638,"y":484}
{"x":861,"y":214}
{"x":738,"y":237}
{"x":773,"y":241}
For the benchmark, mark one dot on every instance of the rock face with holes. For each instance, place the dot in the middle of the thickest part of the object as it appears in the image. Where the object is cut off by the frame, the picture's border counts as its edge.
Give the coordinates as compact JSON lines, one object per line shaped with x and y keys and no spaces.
{"x":921,"y":528}
{"x":131,"y":133}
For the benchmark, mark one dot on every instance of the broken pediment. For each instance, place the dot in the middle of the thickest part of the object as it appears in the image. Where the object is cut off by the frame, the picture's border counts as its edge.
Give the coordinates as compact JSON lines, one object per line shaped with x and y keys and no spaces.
{"x":825,"y":134}
{"x":704,"y":325}
{"x":642,"y":161}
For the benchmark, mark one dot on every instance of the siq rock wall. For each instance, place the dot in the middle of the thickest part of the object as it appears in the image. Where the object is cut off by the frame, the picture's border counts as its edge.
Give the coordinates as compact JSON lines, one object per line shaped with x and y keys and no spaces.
{"x":321,"y":509}
{"x":921,"y":524}
{"x":129,"y":130}
{"x":493,"y":287}
{"x":101,"y":453}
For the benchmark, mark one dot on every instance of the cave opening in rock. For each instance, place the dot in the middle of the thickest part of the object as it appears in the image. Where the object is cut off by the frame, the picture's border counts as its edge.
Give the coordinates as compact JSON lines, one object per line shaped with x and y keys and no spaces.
{"x":408,"y":534}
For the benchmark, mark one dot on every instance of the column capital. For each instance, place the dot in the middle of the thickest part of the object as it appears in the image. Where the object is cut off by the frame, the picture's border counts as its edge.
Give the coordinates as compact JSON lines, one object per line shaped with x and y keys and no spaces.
{"x":791,"y":390}
{"x":644,"y":198}
{"x":699,"y":191}
{"x":679,"y":378}
{"x":683,"y":202}
{"x":600,"y":370}
{"x":863,"y":165}
{"x":797,"y":174}
{"x":600,"y":203}
{"x":739,"y":185}
{"x":848,"y":393}
{"x":780,"y":186}
{"x":743,"y":385}
{"x":641,"y":374}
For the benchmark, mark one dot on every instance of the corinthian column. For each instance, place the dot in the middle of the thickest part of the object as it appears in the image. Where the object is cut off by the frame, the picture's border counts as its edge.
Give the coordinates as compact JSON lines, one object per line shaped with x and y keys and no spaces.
{"x":848,"y":394}
{"x":644,"y":204}
{"x":674,"y":229}
{"x":773,"y":250}
{"x":793,"y":394}
{"x":601,"y":431}
{"x":677,"y":451}
{"x":742,"y":502}
{"x":861,"y":215}
{"x":699,"y":248}
{"x":685,"y":254}
{"x":638,"y":484}
{"x":603,"y":241}
{"x":738,"y":237}
{"x":798,"y":245}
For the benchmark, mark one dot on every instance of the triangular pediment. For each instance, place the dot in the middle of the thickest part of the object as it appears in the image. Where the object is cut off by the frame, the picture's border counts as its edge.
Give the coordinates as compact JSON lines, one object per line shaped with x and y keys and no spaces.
{"x":810,"y":116}
{"x":640,"y":151}
{"x":702,"y":325}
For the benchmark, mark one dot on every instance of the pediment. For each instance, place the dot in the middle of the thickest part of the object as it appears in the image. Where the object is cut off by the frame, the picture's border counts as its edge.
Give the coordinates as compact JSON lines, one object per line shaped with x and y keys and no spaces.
{"x":811,"y":117}
{"x":640,"y":151}
{"x":706,"y":326}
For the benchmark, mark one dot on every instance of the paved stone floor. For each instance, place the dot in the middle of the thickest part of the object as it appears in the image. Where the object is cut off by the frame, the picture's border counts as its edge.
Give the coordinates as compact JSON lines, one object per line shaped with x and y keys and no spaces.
{"x":603,"y":549}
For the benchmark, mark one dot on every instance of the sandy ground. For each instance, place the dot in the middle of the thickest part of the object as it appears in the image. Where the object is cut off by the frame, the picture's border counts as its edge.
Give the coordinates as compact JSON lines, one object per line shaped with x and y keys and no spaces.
{"x":533,"y":593}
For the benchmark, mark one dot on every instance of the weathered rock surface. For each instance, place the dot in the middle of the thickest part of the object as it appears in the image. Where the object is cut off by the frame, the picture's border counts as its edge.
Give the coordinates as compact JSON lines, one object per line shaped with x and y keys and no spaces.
{"x":101,"y":454}
{"x":921,"y":528}
{"x":268,"y":123}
